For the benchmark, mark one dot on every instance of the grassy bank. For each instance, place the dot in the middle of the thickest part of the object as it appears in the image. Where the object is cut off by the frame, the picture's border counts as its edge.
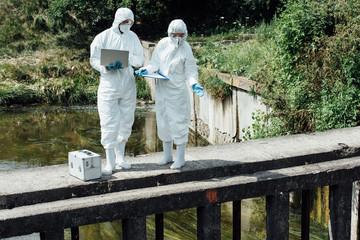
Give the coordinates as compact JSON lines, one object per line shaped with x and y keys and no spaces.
{"x":61,"y":76}
{"x":242,"y":58}
{"x":52,"y":74}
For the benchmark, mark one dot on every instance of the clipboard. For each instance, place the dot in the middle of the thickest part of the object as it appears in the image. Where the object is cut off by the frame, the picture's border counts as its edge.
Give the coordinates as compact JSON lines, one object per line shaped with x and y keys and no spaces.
{"x":108,"y":56}
{"x":155,"y":75}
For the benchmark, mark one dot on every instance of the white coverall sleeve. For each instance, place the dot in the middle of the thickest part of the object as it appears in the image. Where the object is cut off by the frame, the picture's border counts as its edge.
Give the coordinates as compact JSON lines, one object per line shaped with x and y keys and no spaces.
{"x":95,"y":49}
{"x":136,"y":58}
{"x":154,"y":64}
{"x":191,"y":72}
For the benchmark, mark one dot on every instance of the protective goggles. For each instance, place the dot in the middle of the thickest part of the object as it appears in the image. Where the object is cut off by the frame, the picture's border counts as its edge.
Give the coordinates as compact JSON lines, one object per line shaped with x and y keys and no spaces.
{"x":127,"y":21}
{"x":181,"y":35}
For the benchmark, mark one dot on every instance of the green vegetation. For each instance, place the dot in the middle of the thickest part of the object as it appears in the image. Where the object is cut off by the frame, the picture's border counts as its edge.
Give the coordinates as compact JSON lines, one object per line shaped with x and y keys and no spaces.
{"x":312,"y":83}
{"x":142,"y":88}
{"x":55,"y":79}
{"x":308,"y":63}
{"x":44,"y":44}
{"x":264,"y":126}
{"x":307,"y":59}
{"x":23,"y":27}
{"x":203,"y":17}
{"x":242,"y":58}
{"x":213,"y":85}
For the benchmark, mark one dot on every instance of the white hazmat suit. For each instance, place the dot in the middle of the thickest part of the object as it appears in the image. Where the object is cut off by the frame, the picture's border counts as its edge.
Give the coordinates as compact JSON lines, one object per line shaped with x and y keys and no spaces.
{"x":117,"y":91}
{"x":173,"y":57}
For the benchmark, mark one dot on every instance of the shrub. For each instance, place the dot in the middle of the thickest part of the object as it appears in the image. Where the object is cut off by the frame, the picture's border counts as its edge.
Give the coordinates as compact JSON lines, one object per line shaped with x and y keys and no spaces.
{"x":142,"y":88}
{"x":213,"y":85}
{"x":312,"y":83}
{"x":263,"y":126}
{"x":78,"y":20}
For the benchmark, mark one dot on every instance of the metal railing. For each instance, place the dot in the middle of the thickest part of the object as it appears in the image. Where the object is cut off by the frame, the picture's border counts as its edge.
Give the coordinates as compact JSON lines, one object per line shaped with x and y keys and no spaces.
{"x":337,"y":167}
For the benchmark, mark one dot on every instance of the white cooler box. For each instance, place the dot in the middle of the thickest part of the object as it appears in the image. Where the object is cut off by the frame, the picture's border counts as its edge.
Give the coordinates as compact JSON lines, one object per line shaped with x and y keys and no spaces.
{"x":85,"y":164}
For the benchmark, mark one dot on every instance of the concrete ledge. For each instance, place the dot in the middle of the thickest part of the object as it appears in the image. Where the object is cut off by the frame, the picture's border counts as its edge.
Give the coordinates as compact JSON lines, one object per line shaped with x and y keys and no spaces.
{"x":52,"y":183}
{"x":141,"y":202}
{"x":147,"y":44}
{"x":239,"y":82}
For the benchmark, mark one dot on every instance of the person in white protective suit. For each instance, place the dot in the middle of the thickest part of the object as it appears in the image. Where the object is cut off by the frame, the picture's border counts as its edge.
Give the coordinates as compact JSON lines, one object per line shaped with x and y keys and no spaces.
{"x":173,"y":58}
{"x":116,"y":98}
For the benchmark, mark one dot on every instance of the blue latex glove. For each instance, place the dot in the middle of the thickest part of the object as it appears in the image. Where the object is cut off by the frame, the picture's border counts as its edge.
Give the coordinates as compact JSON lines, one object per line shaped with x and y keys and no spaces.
{"x":141,"y":72}
{"x":198,"y":89}
{"x":115,"y":66}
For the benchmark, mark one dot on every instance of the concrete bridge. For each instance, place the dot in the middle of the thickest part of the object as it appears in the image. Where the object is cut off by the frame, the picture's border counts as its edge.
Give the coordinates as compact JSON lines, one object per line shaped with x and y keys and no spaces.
{"x":48,"y":200}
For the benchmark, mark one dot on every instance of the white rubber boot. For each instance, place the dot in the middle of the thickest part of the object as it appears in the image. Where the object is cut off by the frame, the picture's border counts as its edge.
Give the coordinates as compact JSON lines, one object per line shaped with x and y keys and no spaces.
{"x":110,"y":161}
{"x":120,"y":153}
{"x":167,"y":157}
{"x":180,"y":157}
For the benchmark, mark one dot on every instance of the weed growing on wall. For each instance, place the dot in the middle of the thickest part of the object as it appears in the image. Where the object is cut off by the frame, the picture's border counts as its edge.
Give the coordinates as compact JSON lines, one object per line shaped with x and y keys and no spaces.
{"x":264,"y":126}
{"x":213,"y":85}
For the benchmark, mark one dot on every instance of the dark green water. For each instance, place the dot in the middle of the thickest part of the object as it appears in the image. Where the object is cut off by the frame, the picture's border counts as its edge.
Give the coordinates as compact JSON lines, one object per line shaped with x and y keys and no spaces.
{"x":40,"y":136}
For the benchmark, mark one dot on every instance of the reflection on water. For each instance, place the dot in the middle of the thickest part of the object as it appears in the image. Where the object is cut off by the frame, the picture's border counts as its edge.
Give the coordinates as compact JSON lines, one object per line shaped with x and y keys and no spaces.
{"x":39,"y":136}
{"x":34,"y":137}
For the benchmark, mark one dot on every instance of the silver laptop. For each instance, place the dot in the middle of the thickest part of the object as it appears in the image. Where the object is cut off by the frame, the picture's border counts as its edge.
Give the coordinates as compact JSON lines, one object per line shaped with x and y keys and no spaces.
{"x":109,"y":56}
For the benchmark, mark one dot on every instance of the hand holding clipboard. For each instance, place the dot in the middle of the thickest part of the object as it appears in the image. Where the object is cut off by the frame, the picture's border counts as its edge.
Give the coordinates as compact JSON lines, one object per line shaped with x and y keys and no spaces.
{"x":144,"y":73}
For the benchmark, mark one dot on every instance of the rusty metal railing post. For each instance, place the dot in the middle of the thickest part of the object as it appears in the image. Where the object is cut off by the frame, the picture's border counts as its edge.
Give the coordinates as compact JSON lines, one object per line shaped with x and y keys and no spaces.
{"x":209,"y":218}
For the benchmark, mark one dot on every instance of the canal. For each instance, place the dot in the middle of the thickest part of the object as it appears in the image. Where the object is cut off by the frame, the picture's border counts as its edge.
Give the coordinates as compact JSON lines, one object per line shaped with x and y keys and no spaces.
{"x":43,"y":135}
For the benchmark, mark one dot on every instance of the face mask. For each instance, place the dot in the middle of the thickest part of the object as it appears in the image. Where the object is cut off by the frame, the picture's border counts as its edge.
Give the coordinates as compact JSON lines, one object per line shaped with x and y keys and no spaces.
{"x":125,"y":28}
{"x":177,"y":40}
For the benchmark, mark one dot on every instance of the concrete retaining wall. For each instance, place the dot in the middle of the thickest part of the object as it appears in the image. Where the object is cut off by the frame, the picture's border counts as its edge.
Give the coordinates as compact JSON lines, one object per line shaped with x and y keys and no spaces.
{"x":219,"y":121}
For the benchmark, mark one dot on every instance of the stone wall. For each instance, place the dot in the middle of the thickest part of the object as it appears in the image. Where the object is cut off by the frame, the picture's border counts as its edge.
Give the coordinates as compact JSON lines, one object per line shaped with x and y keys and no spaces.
{"x":220,"y":121}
